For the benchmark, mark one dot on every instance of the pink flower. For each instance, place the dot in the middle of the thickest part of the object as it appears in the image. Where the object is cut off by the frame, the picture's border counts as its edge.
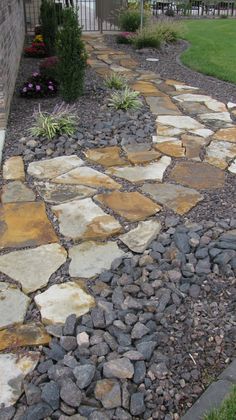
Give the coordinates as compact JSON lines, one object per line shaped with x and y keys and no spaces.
{"x":50,"y":87}
{"x":30,"y":85}
{"x":38,"y":87}
{"x":35,"y":74}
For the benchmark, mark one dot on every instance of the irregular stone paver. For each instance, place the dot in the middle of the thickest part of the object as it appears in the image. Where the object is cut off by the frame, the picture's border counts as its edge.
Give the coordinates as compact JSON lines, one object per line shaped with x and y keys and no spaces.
{"x":219,"y":153}
{"x":13,"y":368}
{"x":147,"y":89}
{"x":25,"y":224}
{"x":91,"y":258}
{"x":218,"y":116}
{"x":106,"y":156}
{"x":199,"y":175}
{"x":13,"y":305}
{"x":141,"y":173}
{"x":139,"y":238}
{"x":119,"y":69}
{"x":177,"y":198}
{"x":62,"y":300}
{"x":193,"y":145}
{"x":165,"y":131}
{"x":232,"y":167}
{"x":26,"y":266}
{"x":16,"y":191}
{"x":210,"y":103}
{"x":87,"y":176}
{"x":32,"y":334}
{"x":181,"y":122}
{"x":13,"y":169}
{"x":133,"y":206}
{"x":51,"y":168}
{"x":128,"y":62}
{"x":143,"y":156}
{"x":59,"y":193}
{"x":171,"y":148}
{"x":202,"y":132}
{"x":137,"y":147}
{"x":226,"y":134}
{"x":162,"y":105}
{"x":83,"y":219}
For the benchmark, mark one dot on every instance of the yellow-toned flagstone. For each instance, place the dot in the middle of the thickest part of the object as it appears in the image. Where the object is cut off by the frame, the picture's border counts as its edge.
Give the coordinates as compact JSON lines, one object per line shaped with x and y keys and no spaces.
{"x":105,"y":58}
{"x":104,"y":72}
{"x":199,"y":175}
{"x":106,"y":156}
{"x":171,"y":148}
{"x":31,"y":334}
{"x":25,"y":224}
{"x":128,"y":62}
{"x":193,"y":145}
{"x":226,"y":134}
{"x":147,"y":89}
{"x":13,"y":169}
{"x":143,"y":156}
{"x":133,"y":206}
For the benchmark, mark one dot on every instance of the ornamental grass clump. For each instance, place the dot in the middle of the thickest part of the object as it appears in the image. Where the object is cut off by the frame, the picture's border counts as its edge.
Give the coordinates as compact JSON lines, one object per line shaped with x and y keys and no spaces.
{"x":61,"y":121}
{"x":125,"y":99}
{"x":153,"y":35}
{"x":115,"y":81}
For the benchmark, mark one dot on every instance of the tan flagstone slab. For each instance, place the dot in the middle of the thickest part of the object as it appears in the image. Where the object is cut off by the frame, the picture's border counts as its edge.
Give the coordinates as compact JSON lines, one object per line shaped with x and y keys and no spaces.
{"x":153,"y":171}
{"x":148,"y":76}
{"x":232,"y":167}
{"x":143,"y":157}
{"x":89,"y":177}
{"x":25,"y":224}
{"x":83,"y":219}
{"x":165,"y":131}
{"x":210,"y":103}
{"x":219,"y":153}
{"x":171,"y":148}
{"x":92,"y":258}
{"x":62,"y":300}
{"x":31,"y":334}
{"x":139,"y":239}
{"x":194,"y":108}
{"x":136,"y":147}
{"x":226,"y":134}
{"x":60,"y":193}
{"x":193,"y":145}
{"x":104,"y":72}
{"x":51,"y":168}
{"x":181,"y":122}
{"x":147,"y":89}
{"x":129,"y":63}
{"x":96,"y":63}
{"x":13,"y":305}
{"x":199,"y":175}
{"x":216,"y":116}
{"x":106,"y":156}
{"x":177,"y":198}
{"x":133,"y":206}
{"x":14,"y":368}
{"x":16,"y":191}
{"x":13,"y":169}
{"x":173,"y":82}
{"x":105,"y":58}
{"x":32,"y":268}
{"x":182,"y":87}
{"x":162,"y":105}
{"x":202,"y":132}
{"x":119,"y":69}
{"x":163,"y":139}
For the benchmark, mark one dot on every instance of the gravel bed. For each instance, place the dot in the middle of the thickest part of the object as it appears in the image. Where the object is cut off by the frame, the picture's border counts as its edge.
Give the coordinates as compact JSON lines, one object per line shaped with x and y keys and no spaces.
{"x":170,"y":67}
{"x":163,"y":329}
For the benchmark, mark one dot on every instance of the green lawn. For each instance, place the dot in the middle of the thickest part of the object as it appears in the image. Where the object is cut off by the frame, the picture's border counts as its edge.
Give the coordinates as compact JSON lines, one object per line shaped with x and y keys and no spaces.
{"x":213,"y":47}
{"x":227,"y":411}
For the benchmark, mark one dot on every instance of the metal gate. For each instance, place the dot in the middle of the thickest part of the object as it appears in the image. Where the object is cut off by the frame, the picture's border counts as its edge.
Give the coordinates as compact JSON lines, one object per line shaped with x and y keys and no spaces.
{"x":93,"y":15}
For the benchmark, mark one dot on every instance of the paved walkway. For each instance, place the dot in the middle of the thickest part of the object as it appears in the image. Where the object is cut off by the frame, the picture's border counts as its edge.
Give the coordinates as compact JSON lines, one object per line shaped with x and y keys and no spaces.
{"x":91,"y":210}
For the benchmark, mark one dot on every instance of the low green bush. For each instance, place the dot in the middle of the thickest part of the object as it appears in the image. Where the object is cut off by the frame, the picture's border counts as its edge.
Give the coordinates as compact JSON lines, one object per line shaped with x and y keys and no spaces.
{"x":125,"y":99}
{"x":115,"y":81}
{"x":130,"y":20}
{"x":154,"y":35}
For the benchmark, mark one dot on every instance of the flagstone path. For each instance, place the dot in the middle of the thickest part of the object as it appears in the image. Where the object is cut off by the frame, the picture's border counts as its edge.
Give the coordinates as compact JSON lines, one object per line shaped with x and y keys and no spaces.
{"x":85,"y":216}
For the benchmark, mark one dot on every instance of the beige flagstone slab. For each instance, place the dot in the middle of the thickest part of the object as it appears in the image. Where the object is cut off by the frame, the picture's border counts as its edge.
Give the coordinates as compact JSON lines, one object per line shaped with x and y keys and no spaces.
{"x":143,"y":156}
{"x":193,"y":108}
{"x":31,"y":334}
{"x":33,"y":267}
{"x":119,"y":69}
{"x":139,"y":239}
{"x":216,"y":116}
{"x":13,"y":169}
{"x":182,"y":87}
{"x":60,"y":193}
{"x":16,"y":191}
{"x":89,"y":177}
{"x":226,"y":134}
{"x":171,"y":148}
{"x":202,"y":132}
{"x":165,"y":131}
{"x":51,"y":168}
{"x":177,"y":198}
{"x":210,"y":103}
{"x":106,"y":156}
{"x":147,"y":89}
{"x":219,"y":153}
{"x":91,"y":258}
{"x":231,"y":105}
{"x":133,"y":206}
{"x":13,"y":305}
{"x":83,"y":219}
{"x":232,"y":167}
{"x":153,"y":171}
{"x":14,"y":368}
{"x":193,"y":145}
{"x":162,"y":105}
{"x":62,"y":300}
{"x":199,"y":175}
{"x":128,"y":62}
{"x":136,"y":147}
{"x":181,"y":122}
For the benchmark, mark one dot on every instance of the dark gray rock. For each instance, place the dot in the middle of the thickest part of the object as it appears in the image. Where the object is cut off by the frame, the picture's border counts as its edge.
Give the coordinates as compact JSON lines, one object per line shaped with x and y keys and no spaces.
{"x":70,"y":393}
{"x":146,"y":348}
{"x":84,"y":375}
{"x":181,"y":241}
{"x":68,"y":342}
{"x":7,"y":413}
{"x":38,"y":411}
{"x":70,"y":325}
{"x":139,"y":371}
{"x":56,"y":352}
{"x":32,"y":393}
{"x":137,"y":405}
{"x":51,"y":394}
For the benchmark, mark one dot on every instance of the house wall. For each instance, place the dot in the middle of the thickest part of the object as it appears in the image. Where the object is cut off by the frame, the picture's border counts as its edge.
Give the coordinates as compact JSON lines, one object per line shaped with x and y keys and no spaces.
{"x":12,"y":33}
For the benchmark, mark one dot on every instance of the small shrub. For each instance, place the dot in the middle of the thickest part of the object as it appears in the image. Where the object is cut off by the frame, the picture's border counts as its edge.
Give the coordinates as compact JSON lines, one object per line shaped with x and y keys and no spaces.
{"x":38,"y":86}
{"x":223,"y":16}
{"x":153,"y":35}
{"x":125,"y":37}
{"x":48,"y":67}
{"x":126,"y":99}
{"x":170,"y":13}
{"x":60,"y":121}
{"x":37,"y":50}
{"x":72,"y":57}
{"x":48,"y":19}
{"x":115,"y":81}
{"x":129,"y":20}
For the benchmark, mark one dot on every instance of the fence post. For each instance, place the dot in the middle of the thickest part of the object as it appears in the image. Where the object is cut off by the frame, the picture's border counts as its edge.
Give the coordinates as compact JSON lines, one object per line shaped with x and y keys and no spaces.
{"x":99,"y":3}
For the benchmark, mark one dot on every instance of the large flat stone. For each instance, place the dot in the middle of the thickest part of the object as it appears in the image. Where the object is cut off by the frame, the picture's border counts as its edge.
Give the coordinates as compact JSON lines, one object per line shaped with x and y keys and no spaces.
{"x":210,"y":103}
{"x":216,"y":116}
{"x":59,"y":193}
{"x":91,"y":258}
{"x":232,"y":167}
{"x":106,"y":156}
{"x":143,"y":157}
{"x":165,"y":131}
{"x":193,"y":145}
{"x":147,"y":89}
{"x":180,"y":122}
{"x":13,"y":305}
{"x":14,"y":368}
{"x":226,"y":134}
{"x":51,"y":168}
{"x":16,"y":191}
{"x":202,"y":132}
{"x":220,"y":153}
{"x":62,"y":300}
{"x":33,"y":267}
{"x":171,"y":148}
{"x":83,"y":219}
{"x":32,"y":334}
{"x":133,"y":206}
{"x":199,"y":175}
{"x":162,"y":105}
{"x":153,"y":171}
{"x":129,"y":63}
{"x":89,"y":177}
{"x":177,"y":198}
{"x":13,"y":169}
{"x":25,"y":224}
{"x":139,"y":239}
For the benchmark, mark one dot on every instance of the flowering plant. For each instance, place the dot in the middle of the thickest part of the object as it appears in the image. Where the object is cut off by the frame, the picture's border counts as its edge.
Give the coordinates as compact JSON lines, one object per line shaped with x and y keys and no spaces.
{"x":38,"y":39}
{"x":125,"y":37}
{"x":37,"y":49}
{"x":38,"y":86}
{"x":48,"y":67}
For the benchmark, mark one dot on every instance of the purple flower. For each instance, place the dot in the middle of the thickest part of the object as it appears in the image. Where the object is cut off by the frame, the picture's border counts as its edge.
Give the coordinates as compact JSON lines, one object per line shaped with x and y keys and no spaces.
{"x":38,"y":87}
{"x":35,"y":74}
{"x":50,"y":82}
{"x":50,"y":87}
{"x":24,"y":89}
{"x":30,"y":85}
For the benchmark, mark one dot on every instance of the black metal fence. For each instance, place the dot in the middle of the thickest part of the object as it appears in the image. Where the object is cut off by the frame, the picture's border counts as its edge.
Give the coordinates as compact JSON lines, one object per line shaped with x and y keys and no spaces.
{"x":194,"y":8}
